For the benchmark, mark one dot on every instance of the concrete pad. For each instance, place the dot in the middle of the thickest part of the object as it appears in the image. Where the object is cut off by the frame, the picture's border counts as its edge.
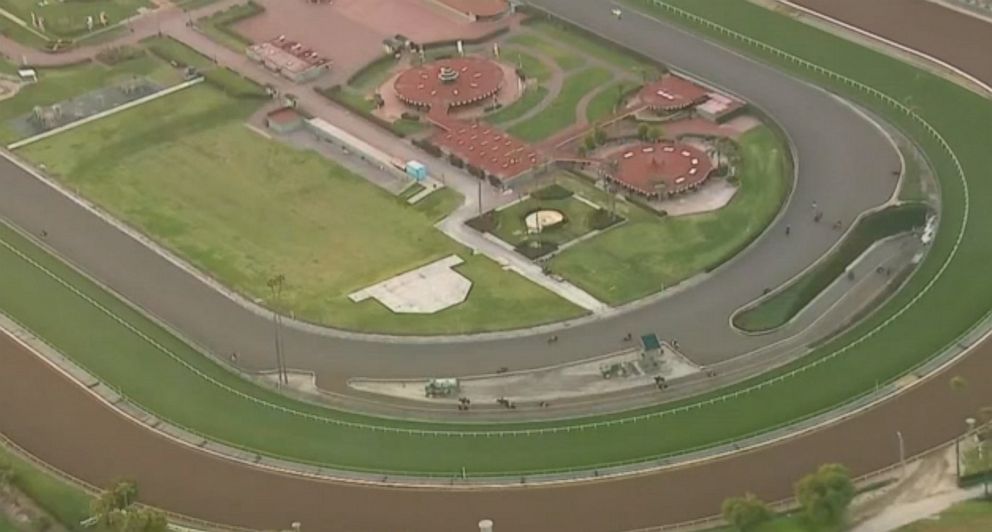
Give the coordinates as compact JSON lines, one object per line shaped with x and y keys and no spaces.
{"x":571,"y":381}
{"x":425,"y":290}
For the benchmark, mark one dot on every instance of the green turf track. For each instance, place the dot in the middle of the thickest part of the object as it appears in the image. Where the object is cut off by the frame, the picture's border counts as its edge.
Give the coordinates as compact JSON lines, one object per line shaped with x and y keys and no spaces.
{"x":174,"y":381}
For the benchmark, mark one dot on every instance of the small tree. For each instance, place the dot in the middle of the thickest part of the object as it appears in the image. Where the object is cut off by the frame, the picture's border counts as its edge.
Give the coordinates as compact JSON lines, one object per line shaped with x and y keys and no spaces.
{"x":745,"y":513}
{"x":599,"y":135}
{"x":7,"y":474}
{"x":590,"y":142}
{"x":653,"y":134}
{"x":826,"y":494}
{"x":642,"y":131}
{"x":114,"y":510}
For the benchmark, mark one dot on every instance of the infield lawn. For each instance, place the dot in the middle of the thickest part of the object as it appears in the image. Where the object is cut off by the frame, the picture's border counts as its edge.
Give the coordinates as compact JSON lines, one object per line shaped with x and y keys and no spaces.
{"x":970,"y":516}
{"x":651,"y":252}
{"x":948,"y":293}
{"x":186,"y":171}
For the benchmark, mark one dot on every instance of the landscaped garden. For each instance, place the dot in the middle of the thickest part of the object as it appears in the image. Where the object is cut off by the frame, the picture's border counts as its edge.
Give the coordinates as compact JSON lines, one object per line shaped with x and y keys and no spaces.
{"x":651,"y":251}
{"x":546,"y":219}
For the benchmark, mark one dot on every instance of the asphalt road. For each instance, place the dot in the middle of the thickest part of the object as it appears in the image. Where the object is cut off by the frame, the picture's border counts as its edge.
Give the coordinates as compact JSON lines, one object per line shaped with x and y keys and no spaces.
{"x":838,"y":151}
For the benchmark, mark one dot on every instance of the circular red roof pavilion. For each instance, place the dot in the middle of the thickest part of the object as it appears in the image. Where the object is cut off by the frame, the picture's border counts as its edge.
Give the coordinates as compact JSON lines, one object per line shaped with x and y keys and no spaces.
{"x":662,"y":168}
{"x":449,"y":83}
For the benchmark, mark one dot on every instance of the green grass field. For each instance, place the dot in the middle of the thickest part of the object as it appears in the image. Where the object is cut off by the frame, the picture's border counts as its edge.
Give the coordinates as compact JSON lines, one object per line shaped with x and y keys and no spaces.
{"x":561,"y":112}
{"x":179,"y":384}
{"x":68,"y":19}
{"x":650,"y":252}
{"x":58,"y":84}
{"x":532,"y":97}
{"x":512,"y":227}
{"x":169,"y":168}
{"x":530,"y":66}
{"x":970,"y":516}
{"x":169,"y":49}
{"x":576,"y":40}
{"x":606,"y":100}
{"x":781,"y":307}
{"x":66,"y":503}
{"x":565,"y":58}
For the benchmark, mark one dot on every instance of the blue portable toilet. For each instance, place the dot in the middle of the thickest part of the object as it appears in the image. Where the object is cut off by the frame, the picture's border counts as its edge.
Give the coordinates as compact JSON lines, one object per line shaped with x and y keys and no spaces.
{"x":416,"y":170}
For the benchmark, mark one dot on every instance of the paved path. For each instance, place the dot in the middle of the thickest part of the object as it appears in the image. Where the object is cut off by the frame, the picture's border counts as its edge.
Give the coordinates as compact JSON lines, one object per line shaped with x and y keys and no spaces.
{"x":837,"y":150}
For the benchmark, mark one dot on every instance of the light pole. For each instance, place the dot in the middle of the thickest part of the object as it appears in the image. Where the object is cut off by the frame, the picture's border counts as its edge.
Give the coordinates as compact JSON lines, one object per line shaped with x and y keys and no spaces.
{"x":275,"y":284}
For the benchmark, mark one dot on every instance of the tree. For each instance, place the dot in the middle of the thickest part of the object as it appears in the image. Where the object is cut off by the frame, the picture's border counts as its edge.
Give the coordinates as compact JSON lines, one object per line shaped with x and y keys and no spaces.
{"x":115,"y":510}
{"x":599,"y":135}
{"x":590,"y":142}
{"x":7,"y":474}
{"x":642,"y":131}
{"x":825,"y":495}
{"x":745,"y":513}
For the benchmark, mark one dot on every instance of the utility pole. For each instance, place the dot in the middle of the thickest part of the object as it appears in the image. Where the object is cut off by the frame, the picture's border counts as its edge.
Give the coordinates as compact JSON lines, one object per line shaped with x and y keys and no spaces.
{"x":480,"y":197}
{"x":275,"y":284}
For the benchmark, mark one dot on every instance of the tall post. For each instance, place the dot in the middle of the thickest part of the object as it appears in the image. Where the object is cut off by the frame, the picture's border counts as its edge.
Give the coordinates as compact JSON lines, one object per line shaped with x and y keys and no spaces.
{"x":275,"y":284}
{"x":480,"y":197}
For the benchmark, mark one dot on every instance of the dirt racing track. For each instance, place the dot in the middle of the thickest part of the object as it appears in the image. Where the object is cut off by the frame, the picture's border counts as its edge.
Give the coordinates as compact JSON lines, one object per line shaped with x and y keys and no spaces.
{"x":64,"y":426}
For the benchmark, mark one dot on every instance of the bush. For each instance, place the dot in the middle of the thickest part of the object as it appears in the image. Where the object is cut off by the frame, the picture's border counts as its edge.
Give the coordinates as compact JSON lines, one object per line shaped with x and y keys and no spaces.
{"x":826,"y":494}
{"x":428,"y":147}
{"x":475,"y":171}
{"x":456,"y":161}
{"x":534,"y":249}
{"x":119,"y":54}
{"x":602,"y":219}
{"x":487,"y":223}
{"x":234,"y":85}
{"x":414,"y":117}
{"x":552,"y":192}
{"x":745,"y":513}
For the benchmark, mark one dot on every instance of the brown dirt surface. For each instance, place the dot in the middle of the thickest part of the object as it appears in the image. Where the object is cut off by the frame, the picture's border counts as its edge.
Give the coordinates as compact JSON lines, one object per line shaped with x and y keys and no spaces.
{"x":66,"y":427}
{"x":948,"y":35}
{"x":350,"y":32}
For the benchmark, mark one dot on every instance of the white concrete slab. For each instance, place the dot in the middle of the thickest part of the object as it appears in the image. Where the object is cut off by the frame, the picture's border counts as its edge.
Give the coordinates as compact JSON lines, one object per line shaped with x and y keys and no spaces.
{"x":426,"y":290}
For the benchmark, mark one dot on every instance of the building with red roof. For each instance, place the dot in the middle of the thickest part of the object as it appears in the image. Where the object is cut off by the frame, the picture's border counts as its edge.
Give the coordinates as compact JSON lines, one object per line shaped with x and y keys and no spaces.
{"x":493,"y":151}
{"x":661,"y":169}
{"x":672,"y":93}
{"x":446,"y":84}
